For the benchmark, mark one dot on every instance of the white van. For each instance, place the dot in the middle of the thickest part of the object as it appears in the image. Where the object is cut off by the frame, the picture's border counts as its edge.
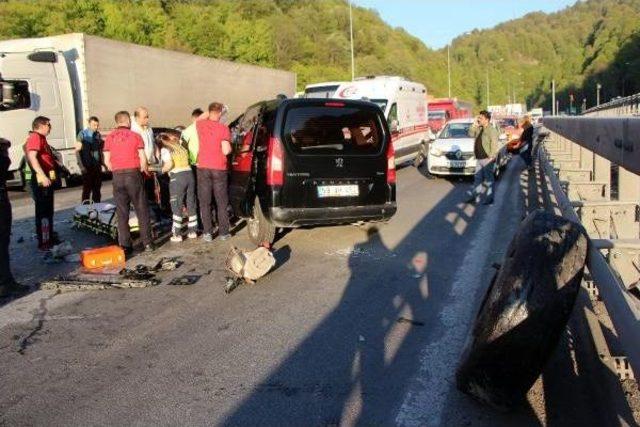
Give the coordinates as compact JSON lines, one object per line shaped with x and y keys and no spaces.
{"x":404,"y":104}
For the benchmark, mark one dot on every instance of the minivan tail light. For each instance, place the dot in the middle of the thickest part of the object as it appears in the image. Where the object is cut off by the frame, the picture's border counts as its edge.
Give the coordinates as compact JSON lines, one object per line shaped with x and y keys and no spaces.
{"x":391,"y":164}
{"x":334,"y":104}
{"x":275,"y":162}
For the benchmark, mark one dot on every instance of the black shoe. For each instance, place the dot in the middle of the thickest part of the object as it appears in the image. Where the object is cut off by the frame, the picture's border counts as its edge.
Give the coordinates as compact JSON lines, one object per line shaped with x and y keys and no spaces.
{"x":149,"y":248}
{"x":488,"y":201}
{"x":128,"y":250}
{"x":471,"y":198}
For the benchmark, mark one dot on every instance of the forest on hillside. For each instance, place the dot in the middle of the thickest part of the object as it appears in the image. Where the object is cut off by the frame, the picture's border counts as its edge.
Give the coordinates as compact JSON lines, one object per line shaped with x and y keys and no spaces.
{"x":594,"y":41}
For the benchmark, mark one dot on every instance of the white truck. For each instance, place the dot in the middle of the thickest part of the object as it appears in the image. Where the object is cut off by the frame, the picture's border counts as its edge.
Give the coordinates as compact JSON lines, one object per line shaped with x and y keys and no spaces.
{"x":71,"y":77}
{"x":403,"y":102}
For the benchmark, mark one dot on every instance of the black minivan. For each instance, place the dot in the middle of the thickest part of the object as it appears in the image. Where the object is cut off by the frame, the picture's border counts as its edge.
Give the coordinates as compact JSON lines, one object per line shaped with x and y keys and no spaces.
{"x":305,"y":162}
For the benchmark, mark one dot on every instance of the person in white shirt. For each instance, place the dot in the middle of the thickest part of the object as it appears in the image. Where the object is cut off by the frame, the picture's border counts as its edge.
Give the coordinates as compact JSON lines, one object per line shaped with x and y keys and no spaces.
{"x":154,"y":184}
{"x":140,"y":125}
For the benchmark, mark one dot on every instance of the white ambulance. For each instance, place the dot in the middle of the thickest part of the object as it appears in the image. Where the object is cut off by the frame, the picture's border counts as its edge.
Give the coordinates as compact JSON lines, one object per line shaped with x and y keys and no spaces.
{"x":404,"y":104}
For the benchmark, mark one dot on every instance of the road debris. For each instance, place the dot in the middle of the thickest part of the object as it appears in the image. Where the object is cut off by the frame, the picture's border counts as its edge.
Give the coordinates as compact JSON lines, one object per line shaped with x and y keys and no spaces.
{"x":186,"y":280}
{"x":247,"y":267}
{"x":524,"y":311}
{"x":410,"y":321}
{"x":90,"y":282}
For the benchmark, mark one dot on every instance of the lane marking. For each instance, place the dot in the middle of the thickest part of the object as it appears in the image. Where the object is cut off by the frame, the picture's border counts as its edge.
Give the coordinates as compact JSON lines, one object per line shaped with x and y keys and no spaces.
{"x":428,"y":392}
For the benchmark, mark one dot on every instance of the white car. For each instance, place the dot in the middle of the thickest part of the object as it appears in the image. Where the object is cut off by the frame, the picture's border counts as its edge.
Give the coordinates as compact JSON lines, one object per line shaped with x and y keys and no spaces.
{"x":452,"y":151}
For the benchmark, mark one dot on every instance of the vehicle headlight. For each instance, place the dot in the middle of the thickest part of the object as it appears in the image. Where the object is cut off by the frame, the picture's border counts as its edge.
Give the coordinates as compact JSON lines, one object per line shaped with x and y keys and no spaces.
{"x":435,"y":151}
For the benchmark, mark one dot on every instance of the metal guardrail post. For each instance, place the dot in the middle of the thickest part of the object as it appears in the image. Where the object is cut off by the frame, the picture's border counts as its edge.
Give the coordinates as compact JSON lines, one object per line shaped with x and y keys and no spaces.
{"x":623,"y":308}
{"x":628,"y":185}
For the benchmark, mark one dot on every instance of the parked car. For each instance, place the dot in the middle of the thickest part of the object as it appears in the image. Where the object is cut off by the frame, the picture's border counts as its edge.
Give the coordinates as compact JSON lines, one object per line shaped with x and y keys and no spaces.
{"x":309,"y":162}
{"x":452,"y":152}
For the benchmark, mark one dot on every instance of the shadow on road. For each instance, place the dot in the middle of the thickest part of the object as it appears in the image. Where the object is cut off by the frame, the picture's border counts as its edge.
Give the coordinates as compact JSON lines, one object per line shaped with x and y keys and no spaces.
{"x":356,"y":365}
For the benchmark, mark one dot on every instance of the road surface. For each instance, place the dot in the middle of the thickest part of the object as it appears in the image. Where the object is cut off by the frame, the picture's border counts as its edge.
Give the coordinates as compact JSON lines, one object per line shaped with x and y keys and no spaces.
{"x":355,"y":326}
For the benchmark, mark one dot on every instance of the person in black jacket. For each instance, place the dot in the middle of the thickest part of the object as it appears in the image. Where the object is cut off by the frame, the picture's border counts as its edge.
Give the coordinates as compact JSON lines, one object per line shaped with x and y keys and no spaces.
{"x":526,"y":141}
{"x":8,"y":284}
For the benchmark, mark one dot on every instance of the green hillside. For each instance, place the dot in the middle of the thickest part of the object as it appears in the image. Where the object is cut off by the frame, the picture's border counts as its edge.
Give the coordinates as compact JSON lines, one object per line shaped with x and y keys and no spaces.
{"x":593,"y":41}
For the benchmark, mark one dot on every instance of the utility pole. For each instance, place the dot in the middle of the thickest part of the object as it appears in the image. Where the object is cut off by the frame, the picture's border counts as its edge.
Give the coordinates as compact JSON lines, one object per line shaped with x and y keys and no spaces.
{"x":353,"y":63}
{"x":554,"y":110}
{"x":449,"y":67}
{"x":598,"y":89}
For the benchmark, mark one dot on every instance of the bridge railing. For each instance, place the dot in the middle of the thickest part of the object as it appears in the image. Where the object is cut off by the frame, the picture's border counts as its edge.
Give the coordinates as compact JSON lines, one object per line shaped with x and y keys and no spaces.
{"x":628,"y":106}
{"x":593,"y":162}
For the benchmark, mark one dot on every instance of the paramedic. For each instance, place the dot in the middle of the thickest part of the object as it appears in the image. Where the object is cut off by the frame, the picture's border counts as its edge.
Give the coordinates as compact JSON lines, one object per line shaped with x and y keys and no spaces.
{"x":214,"y":147}
{"x":42,"y":165}
{"x":175,"y":162}
{"x":124,"y":156}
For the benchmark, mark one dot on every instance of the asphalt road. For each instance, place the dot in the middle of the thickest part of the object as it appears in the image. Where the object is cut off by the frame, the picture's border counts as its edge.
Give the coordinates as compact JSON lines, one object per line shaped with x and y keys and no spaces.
{"x":355,"y":326}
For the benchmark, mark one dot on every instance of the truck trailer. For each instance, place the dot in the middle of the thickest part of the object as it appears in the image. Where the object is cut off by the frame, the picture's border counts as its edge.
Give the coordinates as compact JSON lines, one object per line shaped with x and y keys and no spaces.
{"x":71,"y":77}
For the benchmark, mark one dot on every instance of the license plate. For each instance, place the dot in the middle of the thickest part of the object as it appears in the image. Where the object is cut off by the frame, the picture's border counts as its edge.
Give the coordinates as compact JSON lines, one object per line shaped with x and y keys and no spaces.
{"x":338,"y":191}
{"x":457,"y":164}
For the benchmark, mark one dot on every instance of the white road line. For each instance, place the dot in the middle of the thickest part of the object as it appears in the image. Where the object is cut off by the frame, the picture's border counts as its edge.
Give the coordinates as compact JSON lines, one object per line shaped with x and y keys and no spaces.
{"x":428,"y":392}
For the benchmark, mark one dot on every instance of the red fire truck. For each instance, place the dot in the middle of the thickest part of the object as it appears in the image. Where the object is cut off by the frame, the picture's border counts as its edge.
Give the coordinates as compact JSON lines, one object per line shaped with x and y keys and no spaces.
{"x":441,"y":110}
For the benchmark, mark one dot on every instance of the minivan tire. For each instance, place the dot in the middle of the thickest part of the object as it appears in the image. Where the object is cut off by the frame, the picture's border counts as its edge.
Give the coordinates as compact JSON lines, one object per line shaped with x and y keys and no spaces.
{"x":260,"y":229}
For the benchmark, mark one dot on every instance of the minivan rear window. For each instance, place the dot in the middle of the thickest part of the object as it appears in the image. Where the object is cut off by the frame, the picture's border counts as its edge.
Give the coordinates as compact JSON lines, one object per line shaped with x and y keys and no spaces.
{"x":336,"y":130}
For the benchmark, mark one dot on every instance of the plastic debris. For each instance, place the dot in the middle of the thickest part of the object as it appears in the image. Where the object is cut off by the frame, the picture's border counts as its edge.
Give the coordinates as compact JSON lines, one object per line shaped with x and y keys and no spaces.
{"x":61,"y":250}
{"x":186,"y":280}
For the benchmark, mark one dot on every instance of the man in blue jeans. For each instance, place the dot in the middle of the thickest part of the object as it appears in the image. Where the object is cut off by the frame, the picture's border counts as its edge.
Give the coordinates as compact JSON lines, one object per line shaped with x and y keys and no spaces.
{"x":485,"y":150}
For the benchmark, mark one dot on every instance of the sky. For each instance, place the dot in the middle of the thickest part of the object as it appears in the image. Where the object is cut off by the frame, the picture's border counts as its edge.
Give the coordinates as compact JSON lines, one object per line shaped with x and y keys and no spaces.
{"x":437,"y":22}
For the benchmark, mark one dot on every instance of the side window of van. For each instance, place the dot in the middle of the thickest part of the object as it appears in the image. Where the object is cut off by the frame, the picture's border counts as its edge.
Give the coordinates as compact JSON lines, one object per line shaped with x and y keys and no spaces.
{"x":15,"y":95}
{"x":243,"y":130}
{"x":266,"y":127}
{"x":393,"y":115}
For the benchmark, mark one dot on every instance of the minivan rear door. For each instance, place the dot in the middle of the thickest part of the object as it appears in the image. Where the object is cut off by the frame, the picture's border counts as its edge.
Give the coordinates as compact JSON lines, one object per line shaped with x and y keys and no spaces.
{"x":335,"y":155}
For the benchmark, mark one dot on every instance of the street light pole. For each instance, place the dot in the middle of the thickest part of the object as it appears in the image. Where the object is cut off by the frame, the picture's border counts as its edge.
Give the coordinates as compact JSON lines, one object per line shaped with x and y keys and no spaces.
{"x":554,"y":109}
{"x":598,"y":89}
{"x":449,"y":67}
{"x":353,"y":64}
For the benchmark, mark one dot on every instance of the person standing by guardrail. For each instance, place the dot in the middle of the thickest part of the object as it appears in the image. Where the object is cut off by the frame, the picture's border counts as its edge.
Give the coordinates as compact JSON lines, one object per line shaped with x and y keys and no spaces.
{"x":124,"y":156}
{"x":526,"y":141}
{"x":42,"y":165}
{"x":8,"y":284}
{"x":90,"y":159}
{"x":485,"y":150}
{"x":214,"y":147}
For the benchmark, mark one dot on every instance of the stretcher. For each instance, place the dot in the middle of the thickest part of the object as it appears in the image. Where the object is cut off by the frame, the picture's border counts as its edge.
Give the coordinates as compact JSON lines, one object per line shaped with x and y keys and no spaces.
{"x":101,"y":219}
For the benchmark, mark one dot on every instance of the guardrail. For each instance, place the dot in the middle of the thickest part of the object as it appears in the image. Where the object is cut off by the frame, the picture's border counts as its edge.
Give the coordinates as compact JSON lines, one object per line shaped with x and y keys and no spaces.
{"x":578,"y":157}
{"x":627,"y":106}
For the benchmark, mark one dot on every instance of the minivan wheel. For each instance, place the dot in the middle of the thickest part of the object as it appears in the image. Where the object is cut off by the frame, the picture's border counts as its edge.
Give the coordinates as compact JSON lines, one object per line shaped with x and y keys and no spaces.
{"x":260,"y":229}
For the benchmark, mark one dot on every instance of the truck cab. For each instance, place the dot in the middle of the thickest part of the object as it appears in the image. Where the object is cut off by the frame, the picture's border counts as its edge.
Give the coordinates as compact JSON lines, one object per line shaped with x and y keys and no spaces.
{"x":444,"y":109}
{"x":35,"y":83}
